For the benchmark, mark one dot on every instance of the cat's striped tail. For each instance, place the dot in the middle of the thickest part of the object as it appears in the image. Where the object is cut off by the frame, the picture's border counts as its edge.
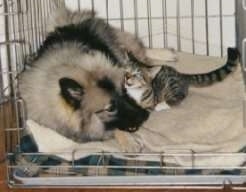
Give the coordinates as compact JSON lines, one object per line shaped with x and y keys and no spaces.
{"x":206,"y":79}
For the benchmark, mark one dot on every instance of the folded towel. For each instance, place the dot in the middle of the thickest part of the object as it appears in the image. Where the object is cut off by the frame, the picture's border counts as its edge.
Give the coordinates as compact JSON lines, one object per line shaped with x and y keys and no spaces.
{"x":209,"y":121}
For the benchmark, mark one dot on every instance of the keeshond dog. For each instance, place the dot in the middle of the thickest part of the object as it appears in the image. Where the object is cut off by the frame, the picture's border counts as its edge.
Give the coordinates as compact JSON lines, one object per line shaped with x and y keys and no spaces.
{"x":74,"y":84}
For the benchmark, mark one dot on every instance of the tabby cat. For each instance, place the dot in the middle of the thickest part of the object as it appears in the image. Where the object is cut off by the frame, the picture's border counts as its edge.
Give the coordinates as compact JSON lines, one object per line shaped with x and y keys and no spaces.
{"x":172,"y":86}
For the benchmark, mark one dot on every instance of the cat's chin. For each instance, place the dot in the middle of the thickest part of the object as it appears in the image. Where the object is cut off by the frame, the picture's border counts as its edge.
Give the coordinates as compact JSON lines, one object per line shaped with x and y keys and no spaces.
{"x":133,"y":86}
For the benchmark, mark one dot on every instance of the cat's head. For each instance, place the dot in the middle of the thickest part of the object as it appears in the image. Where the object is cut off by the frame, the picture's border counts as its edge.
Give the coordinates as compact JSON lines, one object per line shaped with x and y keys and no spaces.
{"x":135,"y":78}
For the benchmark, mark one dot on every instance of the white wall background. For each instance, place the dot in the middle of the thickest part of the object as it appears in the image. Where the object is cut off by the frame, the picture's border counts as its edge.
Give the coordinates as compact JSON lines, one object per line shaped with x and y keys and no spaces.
{"x":214,"y":37}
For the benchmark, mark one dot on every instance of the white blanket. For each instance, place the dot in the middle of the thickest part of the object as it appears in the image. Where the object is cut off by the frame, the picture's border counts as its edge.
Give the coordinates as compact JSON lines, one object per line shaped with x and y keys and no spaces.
{"x":209,"y":121}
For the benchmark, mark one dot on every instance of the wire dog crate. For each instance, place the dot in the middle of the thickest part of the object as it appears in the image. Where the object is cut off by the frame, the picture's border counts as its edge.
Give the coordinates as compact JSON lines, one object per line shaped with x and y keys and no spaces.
{"x":185,"y":25}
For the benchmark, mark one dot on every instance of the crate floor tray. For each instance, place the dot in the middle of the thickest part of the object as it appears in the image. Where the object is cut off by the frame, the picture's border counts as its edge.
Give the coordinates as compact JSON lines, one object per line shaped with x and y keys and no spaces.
{"x":132,"y":181}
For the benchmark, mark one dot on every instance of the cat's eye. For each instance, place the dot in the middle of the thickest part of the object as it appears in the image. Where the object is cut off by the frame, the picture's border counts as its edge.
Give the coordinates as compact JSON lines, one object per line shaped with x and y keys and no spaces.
{"x":139,"y":74}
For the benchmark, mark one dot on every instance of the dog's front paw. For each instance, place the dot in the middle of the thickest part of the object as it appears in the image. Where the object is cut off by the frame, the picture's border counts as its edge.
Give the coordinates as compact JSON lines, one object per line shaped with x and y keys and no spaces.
{"x":127,"y":142}
{"x":162,"y":55}
{"x":170,"y":55}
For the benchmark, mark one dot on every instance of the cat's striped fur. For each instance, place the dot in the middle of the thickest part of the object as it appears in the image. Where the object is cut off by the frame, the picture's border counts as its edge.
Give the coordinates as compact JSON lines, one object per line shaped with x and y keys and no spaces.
{"x":172,"y":86}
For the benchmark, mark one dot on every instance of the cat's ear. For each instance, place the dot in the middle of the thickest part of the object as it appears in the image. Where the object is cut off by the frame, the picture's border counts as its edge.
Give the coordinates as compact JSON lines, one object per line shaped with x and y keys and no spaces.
{"x":153,"y":71}
{"x":71,"y":91}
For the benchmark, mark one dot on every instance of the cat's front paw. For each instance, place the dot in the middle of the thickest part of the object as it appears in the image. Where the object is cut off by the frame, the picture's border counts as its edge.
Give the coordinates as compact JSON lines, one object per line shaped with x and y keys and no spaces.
{"x":162,"y":106}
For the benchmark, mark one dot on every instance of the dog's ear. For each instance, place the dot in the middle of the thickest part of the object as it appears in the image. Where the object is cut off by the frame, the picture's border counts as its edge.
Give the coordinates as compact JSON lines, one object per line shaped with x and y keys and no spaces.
{"x":71,"y":91}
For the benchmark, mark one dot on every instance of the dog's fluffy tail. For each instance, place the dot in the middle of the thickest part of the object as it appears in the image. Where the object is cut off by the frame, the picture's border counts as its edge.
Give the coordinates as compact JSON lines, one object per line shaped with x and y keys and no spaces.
{"x":62,"y":16}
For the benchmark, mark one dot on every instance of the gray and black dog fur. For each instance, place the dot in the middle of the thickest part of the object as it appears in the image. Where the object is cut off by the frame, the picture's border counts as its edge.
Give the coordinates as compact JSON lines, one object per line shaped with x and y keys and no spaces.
{"x":74,"y":85}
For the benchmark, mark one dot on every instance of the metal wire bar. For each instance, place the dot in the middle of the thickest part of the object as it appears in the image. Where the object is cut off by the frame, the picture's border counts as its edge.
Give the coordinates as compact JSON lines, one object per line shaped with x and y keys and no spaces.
{"x":136,"y":18}
{"x":21,"y":30}
{"x":206,"y":27}
{"x":13,"y":24}
{"x":43,"y":16}
{"x":221,"y":29}
{"x":107,"y":11}
{"x":47,"y":11}
{"x":138,"y":167}
{"x":178,"y":25}
{"x":164,"y":23}
{"x":136,"y":155}
{"x":193,"y":26}
{"x":49,"y":2}
{"x":36,"y":24}
{"x":27,"y":33}
{"x":92,"y":5}
{"x":31,"y":25}
{"x":121,"y":15}
{"x":171,"y":17}
{"x":78,"y":2}
{"x":149,"y":24}
{"x":40,"y":16}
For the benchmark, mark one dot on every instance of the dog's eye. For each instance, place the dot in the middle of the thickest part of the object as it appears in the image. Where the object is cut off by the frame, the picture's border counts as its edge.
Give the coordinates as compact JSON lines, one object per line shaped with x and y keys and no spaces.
{"x":111,"y":108}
